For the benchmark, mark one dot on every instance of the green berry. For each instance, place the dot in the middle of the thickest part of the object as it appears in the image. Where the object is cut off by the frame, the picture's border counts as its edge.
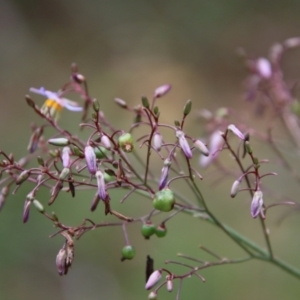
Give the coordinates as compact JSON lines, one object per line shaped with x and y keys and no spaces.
{"x":161,"y":231}
{"x":108,"y":178}
{"x":148,"y":229}
{"x":100,"y":152}
{"x":164,"y":200}
{"x":128,"y":252}
{"x":126,"y":142}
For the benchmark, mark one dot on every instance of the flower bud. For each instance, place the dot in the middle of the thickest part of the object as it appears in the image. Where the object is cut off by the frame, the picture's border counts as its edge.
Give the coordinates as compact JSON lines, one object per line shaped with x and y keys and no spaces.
{"x":79,"y":78}
{"x":100,"y":152}
{"x":90,"y":158}
{"x":60,"y":142}
{"x":145,"y":102}
{"x":105,"y":141}
{"x":187,"y":108}
{"x":38,"y":205}
{"x":126,"y":142}
{"x":169,"y":285}
{"x":3,"y":195}
{"x":153,"y":279}
{"x":65,"y":157}
{"x":236,"y":131}
{"x":257,"y":204}
{"x":162,"y":90}
{"x":22,"y":177}
{"x":164,"y":200}
{"x":235,"y":188}
{"x":152,"y":296}
{"x":96,"y":106}
{"x":121,"y":102}
{"x":34,"y":139}
{"x":64,"y":173}
{"x":157,"y":141}
{"x":184,"y":145}
{"x":101,"y":185}
{"x":263,"y":68}
{"x":199,"y":145}
{"x":26,"y":210}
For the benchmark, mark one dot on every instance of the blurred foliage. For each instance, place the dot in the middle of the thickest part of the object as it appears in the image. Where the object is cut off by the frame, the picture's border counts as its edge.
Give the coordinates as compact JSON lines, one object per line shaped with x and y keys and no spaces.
{"x":126,"y":49}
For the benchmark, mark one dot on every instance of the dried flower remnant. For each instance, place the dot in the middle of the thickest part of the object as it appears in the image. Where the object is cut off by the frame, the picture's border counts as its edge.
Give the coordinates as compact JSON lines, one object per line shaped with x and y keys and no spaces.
{"x":55,"y":103}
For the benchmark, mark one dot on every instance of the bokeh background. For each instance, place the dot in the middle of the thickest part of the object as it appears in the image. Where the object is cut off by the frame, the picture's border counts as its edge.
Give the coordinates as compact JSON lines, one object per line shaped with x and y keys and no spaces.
{"x":126,"y":49}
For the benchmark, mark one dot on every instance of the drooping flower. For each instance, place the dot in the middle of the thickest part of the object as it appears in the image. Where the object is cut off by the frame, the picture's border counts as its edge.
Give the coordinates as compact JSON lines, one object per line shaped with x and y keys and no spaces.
{"x":215,"y":144}
{"x":101,"y":185}
{"x":91,"y":160}
{"x":236,"y":131}
{"x":55,"y":103}
{"x":65,"y":157}
{"x":162,"y":90}
{"x":257,"y":204}
{"x":184,"y":145}
{"x":153,"y":279}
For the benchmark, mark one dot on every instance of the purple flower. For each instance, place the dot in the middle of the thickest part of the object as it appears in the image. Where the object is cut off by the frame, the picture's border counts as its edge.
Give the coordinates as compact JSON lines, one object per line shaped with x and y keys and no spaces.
{"x":184,"y":145}
{"x":164,"y":174}
{"x":263,"y":68}
{"x":90,"y":158}
{"x":101,"y":185}
{"x":257,"y":204}
{"x":236,"y":131}
{"x":65,"y":157}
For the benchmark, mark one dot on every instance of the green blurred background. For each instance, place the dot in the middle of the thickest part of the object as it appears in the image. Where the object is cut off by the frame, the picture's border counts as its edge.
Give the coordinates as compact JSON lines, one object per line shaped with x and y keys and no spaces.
{"x":126,"y":49}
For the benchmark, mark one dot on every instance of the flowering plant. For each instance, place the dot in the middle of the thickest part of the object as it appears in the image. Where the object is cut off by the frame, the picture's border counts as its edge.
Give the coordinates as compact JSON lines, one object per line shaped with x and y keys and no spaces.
{"x":107,"y":160}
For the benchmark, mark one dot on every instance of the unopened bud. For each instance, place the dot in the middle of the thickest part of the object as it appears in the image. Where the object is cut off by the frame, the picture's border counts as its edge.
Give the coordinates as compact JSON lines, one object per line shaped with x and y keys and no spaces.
{"x":96,"y":105}
{"x":184,"y":145}
{"x":34,"y":139}
{"x":38,"y":205}
{"x":105,"y":141}
{"x":90,"y":158}
{"x":157,"y":141}
{"x":263,"y":67}
{"x":199,"y":145}
{"x":64,"y":173}
{"x":26,"y":210}
{"x":79,"y":78}
{"x":145,"y":102}
{"x":292,"y":42}
{"x":65,"y":157}
{"x":187,"y":108}
{"x":60,"y":142}
{"x":162,"y":90}
{"x":257,"y":204}
{"x":169,"y":285}
{"x":235,"y":188}
{"x":153,"y":279}
{"x":22,"y":177}
{"x":236,"y":131}
{"x":121,"y":102}
{"x":152,"y":296}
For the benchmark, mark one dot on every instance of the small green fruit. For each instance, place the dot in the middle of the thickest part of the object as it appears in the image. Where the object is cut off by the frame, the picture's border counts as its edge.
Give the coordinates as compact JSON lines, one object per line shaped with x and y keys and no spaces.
{"x":148,"y":229}
{"x":164,"y":200}
{"x":108,"y":178}
{"x":128,"y":252}
{"x":126,"y":142}
{"x":100,"y":152}
{"x":161,"y":231}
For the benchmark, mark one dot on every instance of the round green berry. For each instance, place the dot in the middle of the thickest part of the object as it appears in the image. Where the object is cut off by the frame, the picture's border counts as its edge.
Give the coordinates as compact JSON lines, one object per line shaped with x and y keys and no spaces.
{"x":128,"y":252}
{"x":126,"y":142}
{"x":108,"y":178}
{"x":100,"y":152}
{"x":161,"y":231}
{"x":148,"y":229}
{"x":164,"y":200}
